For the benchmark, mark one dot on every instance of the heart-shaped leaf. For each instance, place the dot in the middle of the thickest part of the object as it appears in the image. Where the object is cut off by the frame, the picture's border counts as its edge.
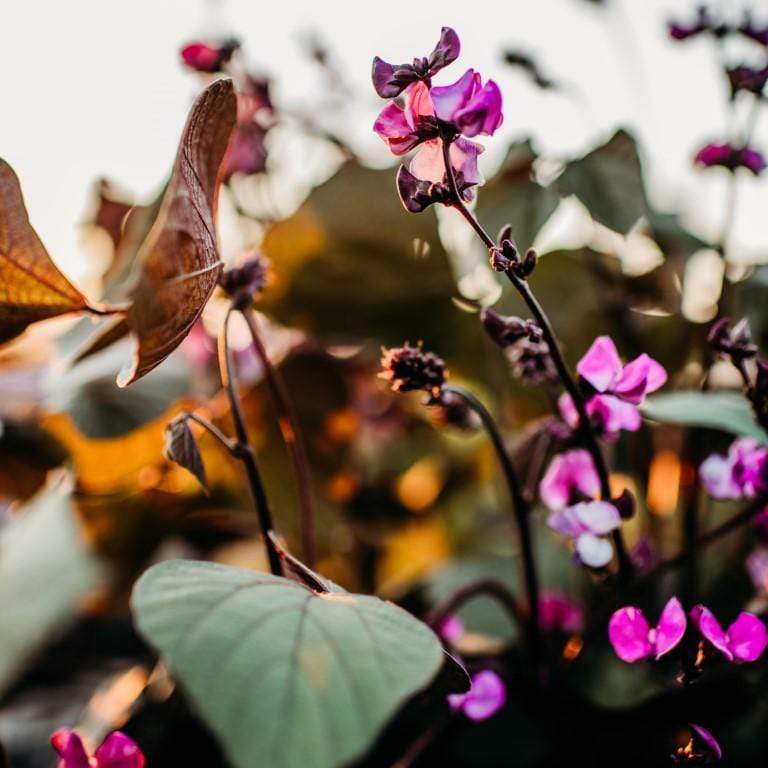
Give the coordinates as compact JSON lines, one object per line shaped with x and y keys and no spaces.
{"x":726,"y":411}
{"x":181,"y":447}
{"x":179,"y":259}
{"x":286,"y":677}
{"x":31,"y":286}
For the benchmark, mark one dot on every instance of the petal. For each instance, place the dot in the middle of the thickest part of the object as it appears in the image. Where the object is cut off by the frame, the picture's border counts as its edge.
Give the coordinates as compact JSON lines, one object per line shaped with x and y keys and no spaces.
{"x":716,"y":473}
{"x":70,"y":749}
{"x":448,"y":99}
{"x":464,"y":154}
{"x":641,"y":376}
{"x":482,"y":113}
{"x":671,"y":627}
{"x":486,"y":697}
{"x":568,"y":410}
{"x":710,"y":629}
{"x":628,"y":632}
{"x":567,"y":472}
{"x":594,"y":551}
{"x":445,"y":52}
{"x":393,"y":127}
{"x":451,"y":628}
{"x":599,"y":517}
{"x":388,"y":86}
{"x":427,"y":164}
{"x":601,"y":365}
{"x":565,"y":521}
{"x":418,"y":104}
{"x":615,"y":414}
{"x":119,"y":751}
{"x":747,"y":637}
{"x":708,"y":741}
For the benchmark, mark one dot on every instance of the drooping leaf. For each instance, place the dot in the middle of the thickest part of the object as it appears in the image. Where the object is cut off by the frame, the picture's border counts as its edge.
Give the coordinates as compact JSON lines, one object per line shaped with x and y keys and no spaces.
{"x":45,"y":570}
{"x":179,"y":259}
{"x":181,"y":447}
{"x":513,"y":197}
{"x":31,"y":286}
{"x":609,"y":181}
{"x":285,"y":677}
{"x":726,"y":411}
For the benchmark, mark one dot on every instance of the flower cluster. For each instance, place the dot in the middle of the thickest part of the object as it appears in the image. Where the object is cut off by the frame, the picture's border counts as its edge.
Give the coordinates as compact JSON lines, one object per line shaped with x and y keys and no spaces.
{"x":741,"y":474}
{"x":731,"y":157}
{"x":116,"y":751}
{"x":633,"y":639}
{"x":616,"y":390}
{"x":438,"y":120}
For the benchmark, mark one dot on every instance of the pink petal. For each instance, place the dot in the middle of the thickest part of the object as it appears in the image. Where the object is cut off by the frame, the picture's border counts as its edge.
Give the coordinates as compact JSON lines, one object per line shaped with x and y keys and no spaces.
{"x":464,"y":154}
{"x":393,"y":127}
{"x":448,"y":99}
{"x":565,"y":521}
{"x":716,"y":473}
{"x":671,"y":627}
{"x":451,"y":628}
{"x":641,"y":376}
{"x":593,"y":551}
{"x":486,"y":697}
{"x":615,"y":414}
{"x":567,"y":472}
{"x":628,"y":632}
{"x":710,"y":629}
{"x":599,"y":517}
{"x":601,"y":365}
{"x":427,"y":163}
{"x":119,"y":751}
{"x":418,"y":104}
{"x":747,"y":637}
{"x":568,"y":410}
{"x":70,"y":748}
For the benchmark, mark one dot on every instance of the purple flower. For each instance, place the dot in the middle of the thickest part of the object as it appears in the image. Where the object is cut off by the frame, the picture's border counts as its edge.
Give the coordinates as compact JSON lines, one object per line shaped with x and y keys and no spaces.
{"x":405,"y":127}
{"x":743,"y":473}
{"x":607,"y":413}
{"x":743,"y":641}
{"x":560,"y":613}
{"x":390,"y":80}
{"x":116,"y":751}
{"x":470,"y":106}
{"x":451,"y":629}
{"x":730,"y":157}
{"x":757,"y":566}
{"x":585,"y":523}
{"x":633,"y":639}
{"x":484,"y":699}
{"x":601,"y":367}
{"x":208,"y":58}
{"x":570,"y":477}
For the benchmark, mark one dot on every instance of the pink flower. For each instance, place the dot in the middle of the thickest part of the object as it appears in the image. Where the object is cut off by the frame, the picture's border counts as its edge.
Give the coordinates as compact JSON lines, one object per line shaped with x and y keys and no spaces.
{"x":608,"y":413}
{"x":390,"y":80}
{"x":586,"y":522}
{"x":570,"y":477}
{"x":484,"y":699}
{"x":601,"y":367}
{"x":451,"y":629}
{"x":473,"y":108}
{"x":757,"y":567}
{"x":633,"y":639}
{"x":116,"y":751}
{"x":731,"y":157}
{"x":743,"y":473}
{"x":560,"y":613}
{"x":744,"y":640}
{"x":207,"y":57}
{"x":404,"y":128}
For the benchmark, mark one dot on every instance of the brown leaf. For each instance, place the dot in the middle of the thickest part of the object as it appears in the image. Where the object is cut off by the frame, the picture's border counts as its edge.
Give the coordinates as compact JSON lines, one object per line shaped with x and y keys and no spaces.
{"x":181,"y":447}
{"x":179,"y":259}
{"x":31,"y":286}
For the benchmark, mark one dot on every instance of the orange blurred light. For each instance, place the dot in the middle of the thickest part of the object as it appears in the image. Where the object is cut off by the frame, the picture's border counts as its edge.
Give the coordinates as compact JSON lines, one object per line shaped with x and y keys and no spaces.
{"x":664,"y":476}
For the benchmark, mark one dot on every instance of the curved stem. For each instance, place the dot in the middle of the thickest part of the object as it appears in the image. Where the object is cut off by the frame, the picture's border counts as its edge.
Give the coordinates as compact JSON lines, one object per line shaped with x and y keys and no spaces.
{"x":288,"y":424}
{"x":244,"y":448}
{"x":521,"y":511}
{"x":227,"y":442}
{"x":585,"y":427}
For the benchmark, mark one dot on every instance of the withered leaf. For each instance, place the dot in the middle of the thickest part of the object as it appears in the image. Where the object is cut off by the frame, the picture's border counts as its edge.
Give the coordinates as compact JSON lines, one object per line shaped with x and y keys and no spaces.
{"x":179,"y":259}
{"x":181,"y":447}
{"x":31,"y":286}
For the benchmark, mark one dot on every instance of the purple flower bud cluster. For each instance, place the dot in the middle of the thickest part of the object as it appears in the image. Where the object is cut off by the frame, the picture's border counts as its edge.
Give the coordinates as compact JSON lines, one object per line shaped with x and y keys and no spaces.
{"x":708,"y":21}
{"x":246,"y":281}
{"x":731,"y":157}
{"x":505,"y":256}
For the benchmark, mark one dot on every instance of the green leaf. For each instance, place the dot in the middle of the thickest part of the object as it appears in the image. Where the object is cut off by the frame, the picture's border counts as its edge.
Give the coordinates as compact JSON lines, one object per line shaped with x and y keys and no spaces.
{"x":286,"y":677}
{"x":726,"y":411}
{"x":609,"y":181}
{"x":45,"y":570}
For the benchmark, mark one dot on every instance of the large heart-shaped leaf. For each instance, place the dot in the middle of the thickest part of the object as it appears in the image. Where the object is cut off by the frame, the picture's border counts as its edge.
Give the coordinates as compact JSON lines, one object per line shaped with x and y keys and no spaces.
{"x":726,"y":411}
{"x":287,"y":678}
{"x":31,"y":286}
{"x":179,"y":259}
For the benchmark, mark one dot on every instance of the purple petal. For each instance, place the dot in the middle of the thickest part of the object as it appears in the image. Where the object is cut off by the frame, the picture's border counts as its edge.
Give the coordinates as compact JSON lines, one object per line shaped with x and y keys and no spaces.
{"x":486,"y":697}
{"x":716,"y":473}
{"x":388,"y":84}
{"x":598,"y":517}
{"x":564,"y":521}
{"x":593,"y":551}
{"x":708,"y":741}
{"x":464,"y":154}
{"x":628,"y":632}
{"x":451,"y":628}
{"x":710,"y":629}
{"x":752,"y":160}
{"x":614,"y":414}
{"x":70,"y":749}
{"x":569,"y":472}
{"x":445,"y":52}
{"x":449,"y":99}
{"x":747,"y":637}
{"x":482,"y":113}
{"x":119,"y":751}
{"x":671,"y":627}
{"x":714,"y":154}
{"x":393,"y":127}
{"x":601,"y":365}
{"x":640,"y":377}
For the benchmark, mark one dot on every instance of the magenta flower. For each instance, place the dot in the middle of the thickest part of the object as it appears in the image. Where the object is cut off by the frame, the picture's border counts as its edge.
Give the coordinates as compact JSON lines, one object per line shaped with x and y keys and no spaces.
{"x":390,"y":80}
{"x":405,"y":127}
{"x":633,"y":639}
{"x":470,"y":106}
{"x":484,"y":699}
{"x":607,"y":413}
{"x":570,"y":477}
{"x":585,"y":523}
{"x":743,"y":641}
{"x":560,"y":613}
{"x":116,"y":751}
{"x":743,"y":473}
{"x":451,"y":629}
{"x":601,"y":367}
{"x":207,"y":57}
{"x":730,"y":157}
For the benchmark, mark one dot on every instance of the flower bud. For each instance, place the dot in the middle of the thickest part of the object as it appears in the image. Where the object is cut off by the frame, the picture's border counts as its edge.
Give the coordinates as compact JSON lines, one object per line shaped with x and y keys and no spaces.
{"x":244,"y":282}
{"x":625,"y":504}
{"x":411,"y":369}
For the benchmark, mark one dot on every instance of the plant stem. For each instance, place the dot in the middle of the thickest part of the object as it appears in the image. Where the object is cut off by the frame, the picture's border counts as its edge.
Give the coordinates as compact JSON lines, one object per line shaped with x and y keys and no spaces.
{"x":286,"y":419}
{"x":525,"y":292}
{"x":521,"y":511}
{"x":227,"y":442}
{"x":244,"y":448}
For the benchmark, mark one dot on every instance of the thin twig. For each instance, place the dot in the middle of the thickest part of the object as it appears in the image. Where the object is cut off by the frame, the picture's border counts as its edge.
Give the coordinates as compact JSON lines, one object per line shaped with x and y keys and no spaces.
{"x":227,"y":442}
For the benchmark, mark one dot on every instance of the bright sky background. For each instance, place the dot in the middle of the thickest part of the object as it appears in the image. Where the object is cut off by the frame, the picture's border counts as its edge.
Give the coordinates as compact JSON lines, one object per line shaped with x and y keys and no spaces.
{"x":96,"y":89}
